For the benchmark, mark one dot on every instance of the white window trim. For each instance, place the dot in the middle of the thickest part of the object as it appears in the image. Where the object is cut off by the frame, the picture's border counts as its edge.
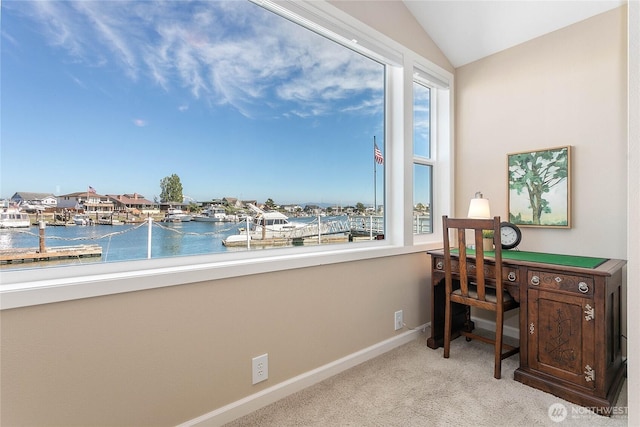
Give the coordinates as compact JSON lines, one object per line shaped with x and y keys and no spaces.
{"x":442,"y":155}
{"x":20,"y":288}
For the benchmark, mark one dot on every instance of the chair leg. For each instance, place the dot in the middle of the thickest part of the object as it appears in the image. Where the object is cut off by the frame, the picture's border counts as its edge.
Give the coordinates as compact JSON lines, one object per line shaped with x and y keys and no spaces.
{"x":447,"y":326}
{"x":497,"y":372}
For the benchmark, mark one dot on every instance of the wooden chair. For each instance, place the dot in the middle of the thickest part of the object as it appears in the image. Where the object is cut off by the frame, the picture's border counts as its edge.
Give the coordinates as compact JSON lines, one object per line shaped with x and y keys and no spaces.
{"x":483,"y":292}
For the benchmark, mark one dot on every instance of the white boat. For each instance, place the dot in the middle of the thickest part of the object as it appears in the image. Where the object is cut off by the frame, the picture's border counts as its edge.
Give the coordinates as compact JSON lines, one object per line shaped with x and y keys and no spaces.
{"x":109,"y":220}
{"x":176,"y":215}
{"x":275,"y":229}
{"x":81,"y":219}
{"x":14,"y":218}
{"x":267,"y":226}
{"x":214,"y":214}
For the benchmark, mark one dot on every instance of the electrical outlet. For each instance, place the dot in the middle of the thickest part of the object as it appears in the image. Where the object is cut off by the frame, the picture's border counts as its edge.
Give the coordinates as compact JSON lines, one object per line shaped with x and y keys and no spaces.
{"x":260,"y":368}
{"x":398,"y":322}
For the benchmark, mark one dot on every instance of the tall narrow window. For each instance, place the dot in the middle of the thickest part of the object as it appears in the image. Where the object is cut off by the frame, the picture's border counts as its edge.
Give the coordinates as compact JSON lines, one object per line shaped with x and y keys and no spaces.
{"x":422,"y":163}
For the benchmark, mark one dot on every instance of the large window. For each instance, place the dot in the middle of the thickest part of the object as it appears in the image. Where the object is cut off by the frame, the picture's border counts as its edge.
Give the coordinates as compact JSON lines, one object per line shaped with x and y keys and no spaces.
{"x":222,"y":110}
{"x":214,"y":110}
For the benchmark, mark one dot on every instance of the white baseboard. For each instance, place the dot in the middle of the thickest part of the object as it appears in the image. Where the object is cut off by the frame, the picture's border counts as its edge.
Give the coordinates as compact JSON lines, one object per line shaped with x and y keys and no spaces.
{"x":267,"y":396}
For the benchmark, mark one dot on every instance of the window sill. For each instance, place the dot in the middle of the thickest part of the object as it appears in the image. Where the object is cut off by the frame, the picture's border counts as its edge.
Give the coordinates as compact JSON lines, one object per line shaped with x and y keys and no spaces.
{"x":22,"y":288}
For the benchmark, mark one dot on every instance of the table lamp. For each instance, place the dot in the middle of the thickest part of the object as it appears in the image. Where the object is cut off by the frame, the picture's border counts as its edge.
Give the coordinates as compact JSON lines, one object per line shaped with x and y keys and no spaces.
{"x":479,"y":207}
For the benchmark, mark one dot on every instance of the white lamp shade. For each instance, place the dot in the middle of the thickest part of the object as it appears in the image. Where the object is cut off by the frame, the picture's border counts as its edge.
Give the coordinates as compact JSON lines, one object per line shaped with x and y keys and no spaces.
{"x":479,"y":209}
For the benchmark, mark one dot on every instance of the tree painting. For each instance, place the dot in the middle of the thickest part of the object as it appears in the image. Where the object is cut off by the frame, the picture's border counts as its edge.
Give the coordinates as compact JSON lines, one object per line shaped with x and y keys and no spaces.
{"x":539,"y":187}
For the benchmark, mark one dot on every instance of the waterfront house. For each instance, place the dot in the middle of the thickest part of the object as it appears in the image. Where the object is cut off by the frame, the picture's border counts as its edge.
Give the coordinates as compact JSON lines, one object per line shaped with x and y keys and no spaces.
{"x":291,"y":208}
{"x":34,"y":201}
{"x":313,"y":209}
{"x":89,"y":202}
{"x":134,"y":203}
{"x":231,"y":202}
{"x":245,"y":203}
{"x":173,"y":343}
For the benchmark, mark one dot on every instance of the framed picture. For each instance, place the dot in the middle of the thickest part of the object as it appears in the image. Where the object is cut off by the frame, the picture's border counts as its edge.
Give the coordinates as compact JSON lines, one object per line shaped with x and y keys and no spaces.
{"x":539,"y":188}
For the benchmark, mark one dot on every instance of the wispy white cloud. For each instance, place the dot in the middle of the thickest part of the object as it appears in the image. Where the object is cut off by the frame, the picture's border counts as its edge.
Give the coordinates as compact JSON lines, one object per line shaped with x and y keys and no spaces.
{"x":226,"y":53}
{"x":140,"y":123}
{"x":77,"y":81}
{"x":6,"y":36}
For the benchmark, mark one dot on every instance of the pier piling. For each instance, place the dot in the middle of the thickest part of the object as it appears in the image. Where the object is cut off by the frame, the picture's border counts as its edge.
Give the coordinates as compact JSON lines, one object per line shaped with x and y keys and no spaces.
{"x":42,"y":248}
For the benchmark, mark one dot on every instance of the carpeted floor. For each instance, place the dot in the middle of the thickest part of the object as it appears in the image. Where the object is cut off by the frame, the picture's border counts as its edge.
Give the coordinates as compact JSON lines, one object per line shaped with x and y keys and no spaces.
{"x":414,"y":385}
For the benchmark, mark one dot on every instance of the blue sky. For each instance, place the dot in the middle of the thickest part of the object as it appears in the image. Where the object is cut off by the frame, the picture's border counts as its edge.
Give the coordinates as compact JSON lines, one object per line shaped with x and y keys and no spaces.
{"x":233,"y":99}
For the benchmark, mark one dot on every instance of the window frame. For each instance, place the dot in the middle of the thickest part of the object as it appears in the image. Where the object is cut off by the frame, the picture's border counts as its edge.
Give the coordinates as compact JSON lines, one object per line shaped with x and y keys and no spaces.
{"x":441,"y":145}
{"x":427,"y":161}
{"x":20,"y":288}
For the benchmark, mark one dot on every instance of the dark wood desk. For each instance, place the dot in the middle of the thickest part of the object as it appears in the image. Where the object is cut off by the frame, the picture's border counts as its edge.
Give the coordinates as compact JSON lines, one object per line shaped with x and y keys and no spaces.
{"x":570,"y":330}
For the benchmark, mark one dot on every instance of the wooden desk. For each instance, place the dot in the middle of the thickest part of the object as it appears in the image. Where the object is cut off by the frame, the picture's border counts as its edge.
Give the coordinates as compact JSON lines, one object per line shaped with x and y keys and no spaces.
{"x":570,"y":330}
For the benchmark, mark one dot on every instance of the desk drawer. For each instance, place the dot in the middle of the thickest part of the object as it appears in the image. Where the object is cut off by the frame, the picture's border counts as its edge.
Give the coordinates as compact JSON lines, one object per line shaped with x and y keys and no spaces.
{"x":560,"y":282}
{"x":509,"y":273}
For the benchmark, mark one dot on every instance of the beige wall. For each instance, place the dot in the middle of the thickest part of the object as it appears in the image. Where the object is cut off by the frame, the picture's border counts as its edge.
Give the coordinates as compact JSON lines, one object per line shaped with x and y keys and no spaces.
{"x":164,"y":356}
{"x":392,"y":18}
{"x":566,"y":88}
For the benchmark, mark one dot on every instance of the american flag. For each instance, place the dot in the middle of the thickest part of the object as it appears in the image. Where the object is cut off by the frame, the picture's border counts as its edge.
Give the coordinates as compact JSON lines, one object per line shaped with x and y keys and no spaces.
{"x":91,"y":189}
{"x":377,"y":155}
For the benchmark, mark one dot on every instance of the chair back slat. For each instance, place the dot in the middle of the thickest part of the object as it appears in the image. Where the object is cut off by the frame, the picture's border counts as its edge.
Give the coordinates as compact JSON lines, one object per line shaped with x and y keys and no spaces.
{"x":462,"y":263}
{"x":479,"y":267}
{"x":467,"y":265}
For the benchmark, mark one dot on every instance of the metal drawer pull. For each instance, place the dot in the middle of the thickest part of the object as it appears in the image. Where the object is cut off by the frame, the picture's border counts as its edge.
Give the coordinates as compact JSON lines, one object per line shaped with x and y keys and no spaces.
{"x":535,"y":280}
{"x":511,"y":276}
{"x":583,"y":287}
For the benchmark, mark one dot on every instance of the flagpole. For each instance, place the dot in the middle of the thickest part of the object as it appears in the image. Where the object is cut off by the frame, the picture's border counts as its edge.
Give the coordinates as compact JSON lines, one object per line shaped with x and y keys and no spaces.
{"x":375,"y":168}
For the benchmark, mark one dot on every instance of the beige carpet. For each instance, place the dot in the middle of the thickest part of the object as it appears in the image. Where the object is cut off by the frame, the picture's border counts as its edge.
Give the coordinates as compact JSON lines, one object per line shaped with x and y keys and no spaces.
{"x":414,"y":385}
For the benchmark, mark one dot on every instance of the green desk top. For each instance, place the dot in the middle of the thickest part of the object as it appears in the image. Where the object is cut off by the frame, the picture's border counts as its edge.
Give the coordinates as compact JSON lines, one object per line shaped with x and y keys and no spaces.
{"x":556,"y":259}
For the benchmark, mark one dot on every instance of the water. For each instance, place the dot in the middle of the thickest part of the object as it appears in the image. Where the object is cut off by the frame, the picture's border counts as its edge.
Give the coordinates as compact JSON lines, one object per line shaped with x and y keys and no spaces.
{"x":127,"y":242}
{"x":130,"y":242}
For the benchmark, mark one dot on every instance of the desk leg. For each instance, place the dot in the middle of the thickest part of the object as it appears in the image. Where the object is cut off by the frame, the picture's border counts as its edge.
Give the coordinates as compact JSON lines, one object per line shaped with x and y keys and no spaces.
{"x":460,"y":320}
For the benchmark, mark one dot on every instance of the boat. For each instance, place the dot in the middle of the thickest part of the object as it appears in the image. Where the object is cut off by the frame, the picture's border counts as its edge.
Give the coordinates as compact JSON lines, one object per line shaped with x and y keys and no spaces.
{"x":12,"y":217}
{"x":109,"y":220}
{"x":82,"y":219}
{"x":214,"y":214}
{"x":274,"y":228}
{"x":266,"y":225}
{"x":176,"y":215}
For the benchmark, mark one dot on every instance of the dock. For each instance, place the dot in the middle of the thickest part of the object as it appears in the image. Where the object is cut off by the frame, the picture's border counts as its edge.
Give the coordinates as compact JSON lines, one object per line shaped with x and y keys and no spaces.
{"x":16,"y":255}
{"x":276,"y":241}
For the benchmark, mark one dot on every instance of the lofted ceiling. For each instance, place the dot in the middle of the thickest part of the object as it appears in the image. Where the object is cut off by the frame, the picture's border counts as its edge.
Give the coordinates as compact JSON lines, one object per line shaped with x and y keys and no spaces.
{"x":467,"y":30}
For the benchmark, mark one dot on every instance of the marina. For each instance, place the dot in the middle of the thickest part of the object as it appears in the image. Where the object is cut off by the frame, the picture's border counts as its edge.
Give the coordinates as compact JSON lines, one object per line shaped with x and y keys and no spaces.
{"x":131,"y":241}
{"x":102,"y":241}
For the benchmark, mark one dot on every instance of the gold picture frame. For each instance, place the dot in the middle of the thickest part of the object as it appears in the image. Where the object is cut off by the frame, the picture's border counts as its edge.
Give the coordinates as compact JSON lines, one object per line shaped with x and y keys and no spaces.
{"x":539,"y":188}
